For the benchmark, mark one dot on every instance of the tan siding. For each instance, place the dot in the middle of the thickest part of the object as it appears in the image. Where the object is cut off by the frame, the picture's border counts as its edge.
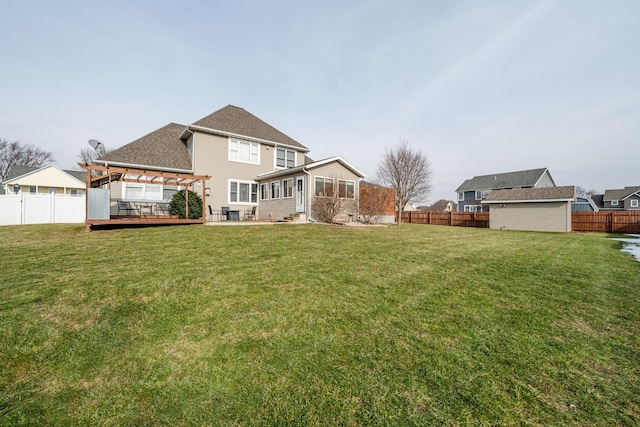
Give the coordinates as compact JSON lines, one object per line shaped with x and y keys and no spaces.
{"x":550,"y":216}
{"x":212,"y":158}
{"x":276,"y":209}
{"x":337,"y":171}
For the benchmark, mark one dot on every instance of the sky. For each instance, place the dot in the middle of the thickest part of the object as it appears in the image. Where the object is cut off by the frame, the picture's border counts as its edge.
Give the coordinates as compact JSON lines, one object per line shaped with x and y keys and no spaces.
{"x":479,"y":87}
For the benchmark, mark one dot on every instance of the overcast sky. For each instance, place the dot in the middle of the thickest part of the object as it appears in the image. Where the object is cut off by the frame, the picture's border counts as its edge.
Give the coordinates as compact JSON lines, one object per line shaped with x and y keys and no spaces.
{"x":480,"y":87}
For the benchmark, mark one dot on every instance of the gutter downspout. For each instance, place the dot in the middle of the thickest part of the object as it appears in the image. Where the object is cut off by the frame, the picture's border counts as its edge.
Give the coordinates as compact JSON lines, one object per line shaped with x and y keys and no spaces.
{"x":307,"y":202}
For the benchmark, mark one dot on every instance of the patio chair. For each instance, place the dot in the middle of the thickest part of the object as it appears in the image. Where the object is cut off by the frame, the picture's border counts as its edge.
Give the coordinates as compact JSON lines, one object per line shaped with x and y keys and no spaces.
{"x":162,"y":209}
{"x":126,"y":207}
{"x":210,"y":213}
{"x":250,"y":214}
{"x":224,"y":211}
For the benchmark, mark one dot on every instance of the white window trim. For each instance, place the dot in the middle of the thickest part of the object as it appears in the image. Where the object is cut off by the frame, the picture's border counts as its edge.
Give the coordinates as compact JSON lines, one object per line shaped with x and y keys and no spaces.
{"x":346,"y":181}
{"x":476,"y":195}
{"x":273,"y":193}
{"x":242,"y":181}
{"x":460,"y":196}
{"x":282,"y":188}
{"x":266,"y":186}
{"x":144,"y":191}
{"x":325,"y":178}
{"x":476,"y":208}
{"x":286,"y":152}
{"x":252,"y":146}
{"x":614,"y":203}
{"x":634,"y":203}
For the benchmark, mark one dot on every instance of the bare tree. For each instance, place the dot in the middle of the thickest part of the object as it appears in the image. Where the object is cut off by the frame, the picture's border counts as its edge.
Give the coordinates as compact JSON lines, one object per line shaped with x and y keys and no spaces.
{"x":583,"y":192}
{"x":328,"y":203}
{"x":15,"y":153}
{"x":407,"y":171}
{"x":375,"y":201}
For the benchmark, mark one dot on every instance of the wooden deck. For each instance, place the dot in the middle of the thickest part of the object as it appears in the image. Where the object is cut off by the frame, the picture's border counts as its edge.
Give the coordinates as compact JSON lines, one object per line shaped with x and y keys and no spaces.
{"x":139,"y":221}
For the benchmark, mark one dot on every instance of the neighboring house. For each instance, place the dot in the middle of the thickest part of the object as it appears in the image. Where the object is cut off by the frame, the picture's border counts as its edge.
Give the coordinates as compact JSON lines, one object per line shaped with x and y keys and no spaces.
{"x":441,"y":205}
{"x":533,"y":209}
{"x":473,"y":191}
{"x":251,"y":165}
{"x":44,"y":180}
{"x":584,"y":204}
{"x":625,"y":199}
{"x":598,"y":201}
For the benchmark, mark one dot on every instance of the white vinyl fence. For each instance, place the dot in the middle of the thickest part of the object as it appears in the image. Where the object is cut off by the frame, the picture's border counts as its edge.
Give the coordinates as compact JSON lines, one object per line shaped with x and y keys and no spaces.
{"x":26,"y":208}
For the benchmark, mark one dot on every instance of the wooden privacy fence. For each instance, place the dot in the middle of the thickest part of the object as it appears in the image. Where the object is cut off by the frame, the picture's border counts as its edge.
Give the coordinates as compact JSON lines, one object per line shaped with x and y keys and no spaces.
{"x":456,"y":219}
{"x":606,"y":221}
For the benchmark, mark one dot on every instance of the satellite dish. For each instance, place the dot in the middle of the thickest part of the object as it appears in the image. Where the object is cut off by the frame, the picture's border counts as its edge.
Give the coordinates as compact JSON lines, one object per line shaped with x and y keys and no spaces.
{"x":95,"y":144}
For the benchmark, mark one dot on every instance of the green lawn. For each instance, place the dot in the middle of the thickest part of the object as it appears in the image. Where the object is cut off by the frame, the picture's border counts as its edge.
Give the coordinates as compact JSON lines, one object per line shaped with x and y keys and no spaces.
{"x":316,"y":325}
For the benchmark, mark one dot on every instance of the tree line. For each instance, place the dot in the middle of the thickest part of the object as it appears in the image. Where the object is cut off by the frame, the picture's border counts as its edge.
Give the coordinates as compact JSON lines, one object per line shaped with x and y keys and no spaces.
{"x":18,"y":154}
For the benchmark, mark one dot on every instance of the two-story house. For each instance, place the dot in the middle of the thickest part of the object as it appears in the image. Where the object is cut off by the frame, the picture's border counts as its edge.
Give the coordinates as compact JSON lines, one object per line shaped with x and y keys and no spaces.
{"x":252,"y":166}
{"x":624,"y":199}
{"x":474,"y":190}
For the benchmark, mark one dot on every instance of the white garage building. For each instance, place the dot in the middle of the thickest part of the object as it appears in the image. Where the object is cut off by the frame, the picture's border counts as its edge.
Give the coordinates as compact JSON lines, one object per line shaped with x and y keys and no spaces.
{"x":532,"y":209}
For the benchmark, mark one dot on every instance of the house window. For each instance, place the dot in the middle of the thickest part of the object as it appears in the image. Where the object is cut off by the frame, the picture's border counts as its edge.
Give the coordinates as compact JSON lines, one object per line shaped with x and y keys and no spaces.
{"x":287,"y":188}
{"x":75,"y":192}
{"x":264,"y":191}
{"x":243,"y":192}
{"x":634,"y":203}
{"x":33,"y":189}
{"x":169,"y":192}
{"x":275,"y":189}
{"x":614,"y":203}
{"x":461,"y":196}
{"x":324,"y":186}
{"x":480,"y":194}
{"x":285,"y":158}
{"x":473,"y":208}
{"x":244,"y":151}
{"x":135,"y":191}
{"x":346,"y":189}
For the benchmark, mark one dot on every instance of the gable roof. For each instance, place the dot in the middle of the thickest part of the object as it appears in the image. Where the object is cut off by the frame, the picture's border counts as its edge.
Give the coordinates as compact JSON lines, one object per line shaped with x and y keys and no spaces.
{"x":526,"y":178}
{"x":597,"y":200}
{"x":635,"y":191}
{"x":236,"y":121}
{"x":619,"y":194}
{"x":160,"y":149}
{"x":309,"y":166}
{"x":565,"y":193}
{"x":16,"y":172}
{"x":439,"y":206}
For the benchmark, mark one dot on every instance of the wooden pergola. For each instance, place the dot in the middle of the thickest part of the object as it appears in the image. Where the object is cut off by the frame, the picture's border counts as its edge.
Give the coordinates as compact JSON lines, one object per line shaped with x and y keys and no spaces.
{"x":99,"y":203}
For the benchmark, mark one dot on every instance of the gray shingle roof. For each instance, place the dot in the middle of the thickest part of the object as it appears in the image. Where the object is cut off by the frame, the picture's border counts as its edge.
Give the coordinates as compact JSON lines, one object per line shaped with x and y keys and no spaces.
{"x":566,"y":192}
{"x":527,"y":178}
{"x":236,"y":120}
{"x":161,"y":148}
{"x":439,"y":206}
{"x":619,"y":194}
{"x":17,"y":171}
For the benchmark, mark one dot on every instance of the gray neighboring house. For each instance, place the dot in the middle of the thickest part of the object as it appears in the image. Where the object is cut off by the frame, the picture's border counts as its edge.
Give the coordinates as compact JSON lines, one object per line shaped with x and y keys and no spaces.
{"x":531,"y":209}
{"x":473,"y":191}
{"x":624,"y":199}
